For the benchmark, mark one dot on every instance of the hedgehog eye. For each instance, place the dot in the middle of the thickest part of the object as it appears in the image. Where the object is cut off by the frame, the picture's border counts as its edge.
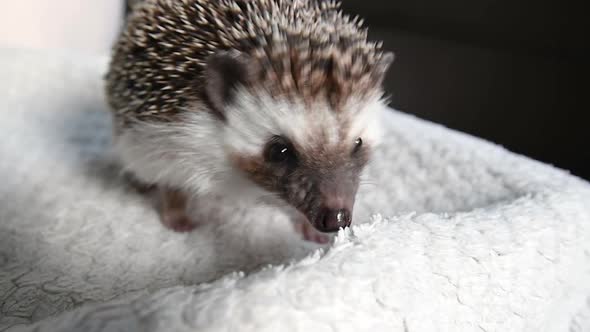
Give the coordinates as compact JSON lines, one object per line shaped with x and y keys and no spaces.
{"x":279,"y":151}
{"x":358,"y":143}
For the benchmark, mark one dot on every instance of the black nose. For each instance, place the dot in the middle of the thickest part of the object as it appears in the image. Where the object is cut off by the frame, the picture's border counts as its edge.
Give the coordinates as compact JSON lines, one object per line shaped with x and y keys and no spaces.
{"x":332,"y":220}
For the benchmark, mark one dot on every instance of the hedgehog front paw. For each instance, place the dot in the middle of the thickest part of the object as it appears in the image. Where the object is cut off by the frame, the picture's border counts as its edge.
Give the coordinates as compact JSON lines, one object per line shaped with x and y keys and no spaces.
{"x":309,"y":233}
{"x":178,"y":221}
{"x":173,"y":210}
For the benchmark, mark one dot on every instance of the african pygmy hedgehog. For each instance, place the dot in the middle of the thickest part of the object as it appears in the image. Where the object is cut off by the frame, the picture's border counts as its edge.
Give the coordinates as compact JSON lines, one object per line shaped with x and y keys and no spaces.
{"x":246,"y":98}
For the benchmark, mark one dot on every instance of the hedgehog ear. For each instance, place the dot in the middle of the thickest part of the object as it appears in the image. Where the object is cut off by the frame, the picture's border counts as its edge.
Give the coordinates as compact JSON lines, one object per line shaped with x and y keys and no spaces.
{"x":384,"y":64}
{"x":224,"y":72}
{"x":386,"y":60}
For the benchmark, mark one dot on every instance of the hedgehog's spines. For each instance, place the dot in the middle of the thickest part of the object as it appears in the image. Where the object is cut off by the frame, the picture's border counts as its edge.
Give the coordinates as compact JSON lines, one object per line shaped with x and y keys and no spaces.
{"x":306,"y":48}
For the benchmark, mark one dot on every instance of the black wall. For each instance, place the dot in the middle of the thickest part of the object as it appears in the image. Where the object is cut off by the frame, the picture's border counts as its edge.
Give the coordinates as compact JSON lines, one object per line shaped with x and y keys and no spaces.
{"x":513,"y":72}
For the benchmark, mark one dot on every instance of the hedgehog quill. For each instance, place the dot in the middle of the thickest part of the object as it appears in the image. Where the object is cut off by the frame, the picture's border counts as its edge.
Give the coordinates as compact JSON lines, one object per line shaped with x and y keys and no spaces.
{"x":245,"y":100}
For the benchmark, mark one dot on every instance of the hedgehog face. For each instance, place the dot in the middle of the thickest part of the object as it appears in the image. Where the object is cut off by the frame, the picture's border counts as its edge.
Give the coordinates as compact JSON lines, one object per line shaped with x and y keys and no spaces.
{"x":320,"y":181}
{"x":309,"y":152}
{"x":310,"y":156}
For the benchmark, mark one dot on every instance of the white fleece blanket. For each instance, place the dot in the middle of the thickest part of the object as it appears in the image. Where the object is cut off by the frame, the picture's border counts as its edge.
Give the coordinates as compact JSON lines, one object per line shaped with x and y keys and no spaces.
{"x":457,"y":234}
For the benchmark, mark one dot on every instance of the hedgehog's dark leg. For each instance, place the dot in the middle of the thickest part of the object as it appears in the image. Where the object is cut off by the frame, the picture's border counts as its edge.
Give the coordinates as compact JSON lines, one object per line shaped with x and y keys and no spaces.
{"x":171,"y":204}
{"x":173,"y":210}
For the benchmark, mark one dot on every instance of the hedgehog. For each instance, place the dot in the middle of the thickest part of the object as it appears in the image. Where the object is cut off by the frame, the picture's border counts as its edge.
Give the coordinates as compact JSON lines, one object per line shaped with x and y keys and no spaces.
{"x":245,"y":100}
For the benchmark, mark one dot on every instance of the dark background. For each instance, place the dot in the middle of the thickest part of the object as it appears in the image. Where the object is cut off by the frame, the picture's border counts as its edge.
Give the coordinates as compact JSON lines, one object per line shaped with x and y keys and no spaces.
{"x":512,"y":72}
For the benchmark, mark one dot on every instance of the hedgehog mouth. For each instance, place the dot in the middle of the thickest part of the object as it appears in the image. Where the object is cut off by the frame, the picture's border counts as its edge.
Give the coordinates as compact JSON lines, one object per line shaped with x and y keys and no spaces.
{"x":332,"y":220}
{"x":329,"y":207}
{"x":329,"y":218}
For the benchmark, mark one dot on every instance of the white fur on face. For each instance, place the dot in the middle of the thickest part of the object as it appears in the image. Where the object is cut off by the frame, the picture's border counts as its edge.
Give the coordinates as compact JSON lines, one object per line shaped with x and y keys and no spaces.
{"x":365,"y":122}
{"x":193,"y":154}
{"x":253,"y":120}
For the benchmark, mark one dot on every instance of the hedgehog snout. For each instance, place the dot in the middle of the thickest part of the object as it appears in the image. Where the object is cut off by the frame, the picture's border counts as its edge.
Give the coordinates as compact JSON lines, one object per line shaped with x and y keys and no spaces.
{"x":330,"y":204}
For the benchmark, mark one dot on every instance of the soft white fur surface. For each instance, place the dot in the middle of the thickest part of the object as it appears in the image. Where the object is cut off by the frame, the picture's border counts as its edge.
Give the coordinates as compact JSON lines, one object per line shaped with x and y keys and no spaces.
{"x":453,"y":234}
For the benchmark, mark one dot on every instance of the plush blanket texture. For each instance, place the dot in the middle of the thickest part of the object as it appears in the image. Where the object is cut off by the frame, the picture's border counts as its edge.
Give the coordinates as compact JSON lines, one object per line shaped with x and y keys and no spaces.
{"x":452,"y":234}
